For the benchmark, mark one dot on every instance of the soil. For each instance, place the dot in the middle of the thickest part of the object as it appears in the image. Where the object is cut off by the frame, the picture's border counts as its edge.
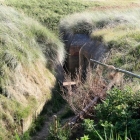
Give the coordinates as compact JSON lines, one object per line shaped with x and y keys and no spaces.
{"x":101,"y":8}
{"x":44,"y":132}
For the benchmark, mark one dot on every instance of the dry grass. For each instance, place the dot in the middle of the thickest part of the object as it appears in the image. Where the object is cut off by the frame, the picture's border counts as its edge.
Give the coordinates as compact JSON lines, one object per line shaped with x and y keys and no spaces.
{"x":27,"y":49}
{"x":98,"y":83}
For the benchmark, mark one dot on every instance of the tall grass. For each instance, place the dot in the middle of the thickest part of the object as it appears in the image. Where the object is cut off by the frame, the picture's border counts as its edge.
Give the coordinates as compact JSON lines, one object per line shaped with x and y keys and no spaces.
{"x":28,"y":51}
{"x":22,"y":33}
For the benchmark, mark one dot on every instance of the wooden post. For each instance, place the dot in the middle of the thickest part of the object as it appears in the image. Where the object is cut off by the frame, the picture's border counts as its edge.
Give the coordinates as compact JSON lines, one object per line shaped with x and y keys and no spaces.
{"x":55,"y":123}
{"x":117,"y":69}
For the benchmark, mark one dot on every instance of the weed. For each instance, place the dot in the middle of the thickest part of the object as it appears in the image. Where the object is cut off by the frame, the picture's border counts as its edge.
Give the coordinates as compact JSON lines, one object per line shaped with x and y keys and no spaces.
{"x":119,"y":111}
{"x":108,"y":132}
{"x":57,"y":132}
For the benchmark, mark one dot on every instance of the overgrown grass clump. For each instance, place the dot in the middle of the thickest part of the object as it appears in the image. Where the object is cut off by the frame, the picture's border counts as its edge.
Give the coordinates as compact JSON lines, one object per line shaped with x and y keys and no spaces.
{"x":28,"y":55}
{"x":26,"y":39}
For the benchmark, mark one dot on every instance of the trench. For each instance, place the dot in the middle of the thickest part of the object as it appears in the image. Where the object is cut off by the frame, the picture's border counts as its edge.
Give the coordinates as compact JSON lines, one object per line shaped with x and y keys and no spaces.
{"x":73,"y":44}
{"x":43,"y":133}
{"x":57,"y":106}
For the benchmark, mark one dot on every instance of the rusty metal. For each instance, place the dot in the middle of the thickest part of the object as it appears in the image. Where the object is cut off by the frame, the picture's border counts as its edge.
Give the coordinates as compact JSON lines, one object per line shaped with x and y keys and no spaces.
{"x":117,"y":69}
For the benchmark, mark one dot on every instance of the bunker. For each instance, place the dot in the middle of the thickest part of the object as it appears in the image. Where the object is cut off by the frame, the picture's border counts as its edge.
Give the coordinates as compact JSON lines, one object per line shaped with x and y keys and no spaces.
{"x":77,"y":42}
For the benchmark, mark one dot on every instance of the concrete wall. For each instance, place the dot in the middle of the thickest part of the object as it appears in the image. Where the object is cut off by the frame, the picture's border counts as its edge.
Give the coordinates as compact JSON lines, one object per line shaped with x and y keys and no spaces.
{"x":90,"y":48}
{"x":73,"y":45}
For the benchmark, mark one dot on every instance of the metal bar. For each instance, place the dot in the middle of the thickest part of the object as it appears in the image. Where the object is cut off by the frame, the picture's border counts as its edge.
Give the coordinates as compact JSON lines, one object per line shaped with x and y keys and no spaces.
{"x":117,"y":69}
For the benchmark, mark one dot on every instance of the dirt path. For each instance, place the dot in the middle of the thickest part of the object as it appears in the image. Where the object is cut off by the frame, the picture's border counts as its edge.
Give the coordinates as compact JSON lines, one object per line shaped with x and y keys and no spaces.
{"x":111,"y":7}
{"x":44,"y":132}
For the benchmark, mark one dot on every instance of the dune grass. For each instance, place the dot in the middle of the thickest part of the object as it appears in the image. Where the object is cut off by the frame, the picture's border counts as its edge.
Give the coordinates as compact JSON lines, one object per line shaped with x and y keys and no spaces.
{"x":28,"y":55}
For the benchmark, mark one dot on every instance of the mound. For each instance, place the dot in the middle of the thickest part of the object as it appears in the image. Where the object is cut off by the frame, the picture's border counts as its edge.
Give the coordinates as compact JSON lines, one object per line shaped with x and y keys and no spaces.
{"x":29,"y":53}
{"x":119,"y":30}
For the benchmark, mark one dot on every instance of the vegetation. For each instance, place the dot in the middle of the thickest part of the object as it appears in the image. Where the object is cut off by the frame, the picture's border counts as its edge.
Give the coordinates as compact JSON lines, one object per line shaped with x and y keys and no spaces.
{"x":28,"y":51}
{"x":48,"y":12}
{"x":119,"y":30}
{"x":29,"y":54}
{"x":119,"y":112}
{"x":57,"y":132}
{"x":115,"y":117}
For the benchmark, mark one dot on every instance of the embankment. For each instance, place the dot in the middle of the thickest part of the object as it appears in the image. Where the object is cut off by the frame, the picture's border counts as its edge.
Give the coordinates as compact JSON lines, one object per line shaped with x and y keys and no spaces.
{"x":28,"y":57}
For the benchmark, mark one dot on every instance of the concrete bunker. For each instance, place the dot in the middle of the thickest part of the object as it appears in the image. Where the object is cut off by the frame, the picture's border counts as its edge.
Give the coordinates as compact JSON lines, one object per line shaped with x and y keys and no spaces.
{"x":73,"y":52}
{"x":80,"y":49}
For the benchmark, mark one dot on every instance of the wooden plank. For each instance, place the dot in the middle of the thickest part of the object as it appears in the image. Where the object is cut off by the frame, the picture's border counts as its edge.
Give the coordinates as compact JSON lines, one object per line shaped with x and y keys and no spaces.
{"x":69,"y":83}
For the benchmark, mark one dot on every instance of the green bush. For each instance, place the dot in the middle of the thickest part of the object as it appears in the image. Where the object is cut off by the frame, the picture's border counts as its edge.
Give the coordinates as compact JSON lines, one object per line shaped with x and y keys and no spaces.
{"x":119,"y":112}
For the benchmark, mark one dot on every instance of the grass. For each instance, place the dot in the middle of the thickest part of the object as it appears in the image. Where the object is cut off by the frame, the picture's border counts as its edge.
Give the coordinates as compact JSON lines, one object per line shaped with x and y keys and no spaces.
{"x":49,"y":14}
{"x":27,"y":48}
{"x":119,"y":30}
{"x":11,"y":110}
{"x":46,"y":11}
{"x":28,"y":55}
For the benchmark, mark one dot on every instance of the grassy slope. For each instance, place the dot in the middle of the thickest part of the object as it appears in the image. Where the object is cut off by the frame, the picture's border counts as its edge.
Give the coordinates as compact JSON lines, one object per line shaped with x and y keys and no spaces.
{"x":26,"y":48}
{"x":123,"y":36}
{"x":48,"y":12}
{"x":25,"y":82}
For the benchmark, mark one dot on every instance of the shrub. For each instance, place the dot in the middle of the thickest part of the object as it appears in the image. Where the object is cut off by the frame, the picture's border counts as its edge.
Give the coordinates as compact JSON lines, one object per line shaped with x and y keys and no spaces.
{"x":119,"y":112}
